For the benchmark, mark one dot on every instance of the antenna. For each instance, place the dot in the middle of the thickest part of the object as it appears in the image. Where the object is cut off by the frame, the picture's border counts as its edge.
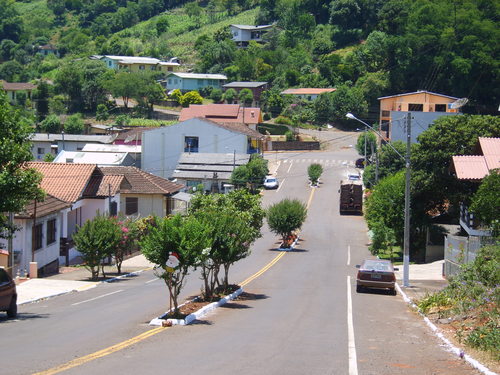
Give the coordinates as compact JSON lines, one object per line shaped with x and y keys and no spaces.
{"x":458,"y":103}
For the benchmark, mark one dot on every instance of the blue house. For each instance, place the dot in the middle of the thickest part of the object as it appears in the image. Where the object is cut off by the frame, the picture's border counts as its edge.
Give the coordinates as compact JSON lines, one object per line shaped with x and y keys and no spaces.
{"x":193,"y":81}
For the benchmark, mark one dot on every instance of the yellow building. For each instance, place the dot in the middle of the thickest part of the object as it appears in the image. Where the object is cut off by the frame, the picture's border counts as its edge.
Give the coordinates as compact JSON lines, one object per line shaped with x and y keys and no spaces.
{"x":420,"y":101}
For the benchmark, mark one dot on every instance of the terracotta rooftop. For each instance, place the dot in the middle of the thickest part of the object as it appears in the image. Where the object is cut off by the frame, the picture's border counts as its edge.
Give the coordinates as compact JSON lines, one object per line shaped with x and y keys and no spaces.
{"x":56,"y":178}
{"x":222,"y":113}
{"x":491,"y":151}
{"x":470,"y":167}
{"x":140,"y":182}
{"x":17,"y":86}
{"x":307,"y":91}
{"x":50,"y":205}
{"x":104,"y":186}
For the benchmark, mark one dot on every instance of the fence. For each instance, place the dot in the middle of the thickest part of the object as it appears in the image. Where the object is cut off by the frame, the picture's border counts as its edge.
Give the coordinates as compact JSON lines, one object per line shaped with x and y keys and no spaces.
{"x":457,"y":251}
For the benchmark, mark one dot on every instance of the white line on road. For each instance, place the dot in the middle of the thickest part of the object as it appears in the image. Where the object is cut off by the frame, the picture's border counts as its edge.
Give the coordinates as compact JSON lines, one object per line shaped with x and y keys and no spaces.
{"x":353,"y":362}
{"x":150,"y":281}
{"x":93,"y":299}
{"x":348,"y":255}
{"x":281,"y":184}
{"x":290,"y":167}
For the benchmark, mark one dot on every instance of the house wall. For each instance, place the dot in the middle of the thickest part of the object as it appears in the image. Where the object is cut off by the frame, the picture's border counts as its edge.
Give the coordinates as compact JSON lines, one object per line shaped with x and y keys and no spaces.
{"x":420,"y":122}
{"x":187,"y":84}
{"x":148,"y":204}
{"x":240,"y":35}
{"x":162,"y":147}
{"x":46,"y":147}
{"x":110,"y":63}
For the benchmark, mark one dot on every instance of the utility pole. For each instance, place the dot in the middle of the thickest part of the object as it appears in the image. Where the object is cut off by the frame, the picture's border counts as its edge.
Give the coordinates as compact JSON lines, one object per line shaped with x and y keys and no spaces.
{"x":10,"y":247}
{"x":234,"y":159}
{"x":406,"y":246}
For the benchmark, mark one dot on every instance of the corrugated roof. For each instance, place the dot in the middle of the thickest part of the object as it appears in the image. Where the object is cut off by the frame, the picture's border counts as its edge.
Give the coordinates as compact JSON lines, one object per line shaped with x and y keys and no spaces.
{"x":418,"y":92}
{"x":17,"y":86}
{"x":99,"y":158}
{"x":307,"y":91}
{"x":65,"y":181}
{"x":491,"y":151}
{"x":50,"y":205}
{"x":133,"y":59}
{"x":41,"y":137}
{"x":142,"y":182}
{"x":226,"y":113}
{"x":198,"y":75}
{"x":251,"y":27}
{"x":470,"y":167}
{"x":244,"y":84}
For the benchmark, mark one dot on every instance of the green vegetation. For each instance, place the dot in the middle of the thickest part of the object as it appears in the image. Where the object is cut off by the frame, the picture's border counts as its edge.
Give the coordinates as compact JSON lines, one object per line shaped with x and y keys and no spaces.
{"x":471,"y":301}
{"x":285,"y":217}
{"x":273,"y":129}
{"x":314,"y":172}
{"x":251,"y":174}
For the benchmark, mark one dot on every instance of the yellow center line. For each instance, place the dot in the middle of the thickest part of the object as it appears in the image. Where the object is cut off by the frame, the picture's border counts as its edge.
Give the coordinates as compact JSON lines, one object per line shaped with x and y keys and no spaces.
{"x":143,"y":336}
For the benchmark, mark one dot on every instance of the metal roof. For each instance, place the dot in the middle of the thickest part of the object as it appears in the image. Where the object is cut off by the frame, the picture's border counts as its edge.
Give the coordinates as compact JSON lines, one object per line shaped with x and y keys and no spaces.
{"x":99,"y":158}
{"x":418,"y":92}
{"x":244,"y":84}
{"x":197,"y":75}
{"x":94,"y":147}
{"x":41,"y":137}
{"x":251,"y":27}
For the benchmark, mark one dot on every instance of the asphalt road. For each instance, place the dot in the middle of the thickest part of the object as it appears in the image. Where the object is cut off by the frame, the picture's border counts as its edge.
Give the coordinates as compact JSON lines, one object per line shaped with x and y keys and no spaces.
{"x":302,"y":316}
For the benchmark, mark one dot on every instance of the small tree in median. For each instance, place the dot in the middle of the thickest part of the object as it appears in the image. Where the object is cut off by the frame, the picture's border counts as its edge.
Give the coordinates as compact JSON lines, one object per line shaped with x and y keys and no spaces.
{"x":174,"y":245}
{"x":314,"y":171}
{"x":285,"y":217}
{"x":96,"y":240}
{"x":129,"y":234}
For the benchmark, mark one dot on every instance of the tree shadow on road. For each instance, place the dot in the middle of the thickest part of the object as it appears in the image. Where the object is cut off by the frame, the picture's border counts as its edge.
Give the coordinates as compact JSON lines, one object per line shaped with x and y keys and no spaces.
{"x":22,"y":317}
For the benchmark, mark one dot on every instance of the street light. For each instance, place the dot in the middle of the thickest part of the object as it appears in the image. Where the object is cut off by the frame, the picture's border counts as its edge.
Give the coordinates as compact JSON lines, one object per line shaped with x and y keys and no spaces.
{"x":406,"y":245}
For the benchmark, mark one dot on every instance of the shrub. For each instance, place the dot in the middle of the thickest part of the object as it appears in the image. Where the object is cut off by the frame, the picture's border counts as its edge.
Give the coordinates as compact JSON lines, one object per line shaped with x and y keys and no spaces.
{"x":51,"y":124}
{"x":283,"y":120}
{"x":122,"y":120}
{"x":246,"y":96}
{"x":102,"y":113}
{"x":230,"y":95}
{"x":286,"y":216}
{"x":216,"y":95}
{"x":176,"y":95}
{"x":314,"y":171}
{"x":267,"y":116}
{"x":191,"y":97}
{"x":290,"y":136}
{"x":74,"y":124}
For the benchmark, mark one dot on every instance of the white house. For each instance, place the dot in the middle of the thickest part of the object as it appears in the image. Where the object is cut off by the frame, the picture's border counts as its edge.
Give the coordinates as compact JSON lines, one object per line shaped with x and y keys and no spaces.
{"x":243,"y":34}
{"x":95,"y":157}
{"x":44,"y":143}
{"x":163,"y":147}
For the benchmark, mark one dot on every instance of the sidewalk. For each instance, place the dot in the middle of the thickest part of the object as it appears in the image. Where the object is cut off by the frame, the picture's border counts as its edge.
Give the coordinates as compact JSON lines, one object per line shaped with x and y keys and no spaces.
{"x":424,"y":279}
{"x":74,"y":279}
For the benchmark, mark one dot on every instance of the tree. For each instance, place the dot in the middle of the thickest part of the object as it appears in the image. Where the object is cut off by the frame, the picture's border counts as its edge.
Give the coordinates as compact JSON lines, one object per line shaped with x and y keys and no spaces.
{"x":41,"y":96}
{"x":367,"y":144}
{"x":230,"y":95}
{"x":314,"y":171}
{"x":174,"y":246}
{"x":486,"y":201}
{"x":51,"y":124}
{"x":216,"y":95}
{"x":124,"y":85}
{"x":18,"y":185}
{"x":246,"y":97}
{"x":176,"y":95}
{"x":102,"y":113}
{"x":162,"y":25}
{"x":389,"y":162}
{"x":334,"y":106}
{"x":285,"y":217}
{"x":191,"y":97}
{"x":96,"y":240}
{"x":129,"y":234}
{"x":74,"y":124}
{"x":250,"y":174}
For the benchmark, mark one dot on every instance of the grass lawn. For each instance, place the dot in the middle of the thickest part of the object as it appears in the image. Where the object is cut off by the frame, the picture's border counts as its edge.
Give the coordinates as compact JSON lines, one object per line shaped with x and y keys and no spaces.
{"x":273,"y":129}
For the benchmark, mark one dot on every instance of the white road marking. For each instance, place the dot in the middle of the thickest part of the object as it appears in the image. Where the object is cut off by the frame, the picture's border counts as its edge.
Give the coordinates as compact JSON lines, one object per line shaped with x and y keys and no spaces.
{"x":93,"y":299}
{"x":150,"y":281}
{"x":349,"y":255}
{"x":290,"y":167}
{"x":353,"y":362}
{"x":281,"y":184}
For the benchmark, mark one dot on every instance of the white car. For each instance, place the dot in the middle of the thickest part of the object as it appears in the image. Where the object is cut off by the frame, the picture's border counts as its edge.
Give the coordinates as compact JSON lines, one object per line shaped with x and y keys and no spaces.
{"x":271,"y":182}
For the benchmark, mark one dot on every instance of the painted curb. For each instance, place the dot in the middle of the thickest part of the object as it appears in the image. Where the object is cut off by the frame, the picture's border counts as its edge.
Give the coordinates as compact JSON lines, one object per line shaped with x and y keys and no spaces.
{"x":449,"y":346}
{"x":82,"y":288}
{"x":294,"y":243}
{"x":198,"y":314}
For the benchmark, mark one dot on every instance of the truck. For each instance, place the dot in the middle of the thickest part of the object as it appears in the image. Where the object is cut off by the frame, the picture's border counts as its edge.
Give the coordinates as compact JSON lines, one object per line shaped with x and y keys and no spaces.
{"x":351,"y":197}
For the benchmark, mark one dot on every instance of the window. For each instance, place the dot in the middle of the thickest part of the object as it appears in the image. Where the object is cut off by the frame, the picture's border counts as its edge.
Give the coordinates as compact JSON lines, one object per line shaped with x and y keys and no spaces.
{"x":141,"y":67}
{"x":191,"y":144}
{"x":51,"y":231}
{"x":38,"y":236}
{"x":386,"y":113}
{"x":415,"y":107}
{"x":131,"y":206}
{"x":41,"y":150}
{"x":170,"y":81}
{"x":440,"y":108}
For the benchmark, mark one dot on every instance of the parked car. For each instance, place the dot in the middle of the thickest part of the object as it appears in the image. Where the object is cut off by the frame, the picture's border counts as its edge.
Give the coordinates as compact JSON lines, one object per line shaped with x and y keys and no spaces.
{"x":271,"y":182}
{"x":8,"y":294}
{"x":360,"y":163}
{"x":376,"y":273}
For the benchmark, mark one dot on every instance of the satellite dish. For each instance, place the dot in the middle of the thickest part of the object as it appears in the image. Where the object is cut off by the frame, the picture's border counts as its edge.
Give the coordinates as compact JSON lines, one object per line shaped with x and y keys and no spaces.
{"x":459,"y":103}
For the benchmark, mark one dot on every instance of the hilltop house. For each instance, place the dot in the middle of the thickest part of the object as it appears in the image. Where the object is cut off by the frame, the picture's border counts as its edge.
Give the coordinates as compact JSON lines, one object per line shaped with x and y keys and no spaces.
{"x":137,"y":63}
{"x":193,"y":81}
{"x":424,"y":107}
{"x":13,"y":89}
{"x":48,"y":49}
{"x":244,"y":34}
{"x":307,"y":93}
{"x":257,"y":89}
{"x":75,"y":193}
{"x":162,"y":147}
{"x":223,"y":113}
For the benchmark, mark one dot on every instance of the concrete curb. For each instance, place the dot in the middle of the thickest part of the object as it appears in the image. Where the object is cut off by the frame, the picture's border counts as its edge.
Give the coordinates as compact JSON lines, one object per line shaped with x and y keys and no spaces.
{"x":83,"y":288}
{"x":449,"y":346}
{"x":198,"y":314}
{"x":291,"y":246}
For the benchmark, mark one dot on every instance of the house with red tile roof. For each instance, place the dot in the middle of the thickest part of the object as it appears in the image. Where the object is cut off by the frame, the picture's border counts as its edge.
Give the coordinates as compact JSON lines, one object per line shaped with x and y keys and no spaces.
{"x":223,"y":113}
{"x":75,"y":193}
{"x":14,"y":88}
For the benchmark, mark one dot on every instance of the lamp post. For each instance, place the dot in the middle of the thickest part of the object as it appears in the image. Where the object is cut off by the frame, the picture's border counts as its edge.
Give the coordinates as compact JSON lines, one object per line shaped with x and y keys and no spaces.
{"x":406,"y":245}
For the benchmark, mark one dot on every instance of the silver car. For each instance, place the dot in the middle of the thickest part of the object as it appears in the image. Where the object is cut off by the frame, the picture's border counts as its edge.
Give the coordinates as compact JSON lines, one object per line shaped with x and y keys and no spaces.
{"x":271,"y":182}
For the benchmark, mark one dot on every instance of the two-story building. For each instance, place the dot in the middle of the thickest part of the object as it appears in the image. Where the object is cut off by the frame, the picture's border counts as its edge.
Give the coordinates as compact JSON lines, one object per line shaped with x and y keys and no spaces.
{"x":193,"y":81}
{"x":423,"y":106}
{"x":244,"y":34}
{"x":224,"y":113}
{"x":162,"y":147}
